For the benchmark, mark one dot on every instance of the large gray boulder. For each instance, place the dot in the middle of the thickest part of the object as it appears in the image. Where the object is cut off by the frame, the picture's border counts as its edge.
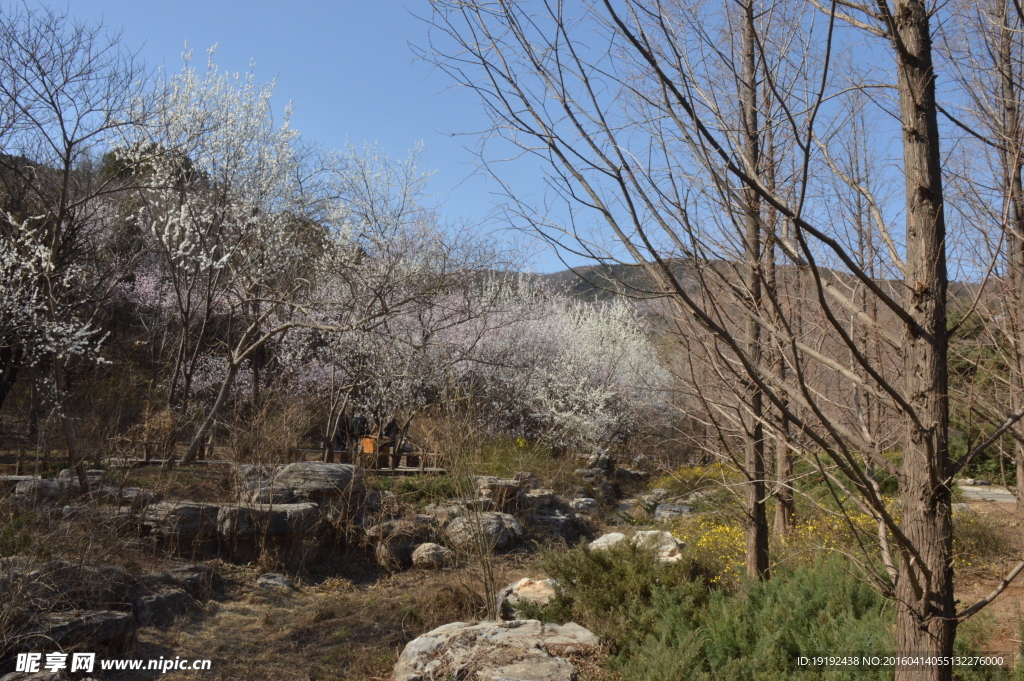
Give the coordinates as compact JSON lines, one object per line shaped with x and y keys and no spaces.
{"x":321,"y":482}
{"x":493,"y":530}
{"x":521,"y":650}
{"x":161,"y":609}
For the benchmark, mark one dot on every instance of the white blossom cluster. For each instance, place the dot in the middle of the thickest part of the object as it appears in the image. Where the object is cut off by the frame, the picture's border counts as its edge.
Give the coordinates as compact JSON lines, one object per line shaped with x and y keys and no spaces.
{"x":26,"y":275}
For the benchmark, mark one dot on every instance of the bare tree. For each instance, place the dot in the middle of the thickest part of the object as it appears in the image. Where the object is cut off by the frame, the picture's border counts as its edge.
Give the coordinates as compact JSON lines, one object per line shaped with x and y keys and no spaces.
{"x":66,"y":93}
{"x":636,"y":128}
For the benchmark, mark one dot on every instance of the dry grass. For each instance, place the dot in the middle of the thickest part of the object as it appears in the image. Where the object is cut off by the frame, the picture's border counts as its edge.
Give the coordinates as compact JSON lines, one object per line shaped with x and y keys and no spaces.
{"x":336,"y":629}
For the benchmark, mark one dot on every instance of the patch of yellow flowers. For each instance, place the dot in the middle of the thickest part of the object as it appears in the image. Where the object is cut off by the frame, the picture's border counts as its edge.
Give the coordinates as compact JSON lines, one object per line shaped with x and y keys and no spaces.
{"x":717,"y":543}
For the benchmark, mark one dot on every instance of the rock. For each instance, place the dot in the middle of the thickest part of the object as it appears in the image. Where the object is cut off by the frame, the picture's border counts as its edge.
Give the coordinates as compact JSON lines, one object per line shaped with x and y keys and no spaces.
{"x":93,"y":476}
{"x":273,"y":580}
{"x":557,"y":523}
{"x":496,"y":651}
{"x":668,"y":548}
{"x":629,"y":474}
{"x":100,"y":631}
{"x":589,"y":474}
{"x":526,"y":590}
{"x":197,"y":580}
{"x":584,"y":505}
{"x":606,"y":541}
{"x":9,"y":482}
{"x":497,"y":530}
{"x":421,"y":525}
{"x":397,"y":539}
{"x":291,"y":530}
{"x":136,"y":497}
{"x":258,"y":491}
{"x":182,"y":519}
{"x":544,"y":669}
{"x":606,"y":491}
{"x":699,"y":496}
{"x":659,"y":494}
{"x":503,"y":492}
{"x":666,"y":512}
{"x":321,"y":482}
{"x":163,"y":608}
{"x":601,"y":462}
{"x":40,"y":491}
{"x":537,"y":498}
{"x":628,"y":505}
{"x":430,"y":556}
{"x":445,"y":513}
{"x":266,"y":520}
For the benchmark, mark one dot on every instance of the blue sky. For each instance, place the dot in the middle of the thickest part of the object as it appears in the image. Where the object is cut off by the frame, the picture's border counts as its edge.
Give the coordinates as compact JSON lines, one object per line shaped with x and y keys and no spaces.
{"x":346,"y":65}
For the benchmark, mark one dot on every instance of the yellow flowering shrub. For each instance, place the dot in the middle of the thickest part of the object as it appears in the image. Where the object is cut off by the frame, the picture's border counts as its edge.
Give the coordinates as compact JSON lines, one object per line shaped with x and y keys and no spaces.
{"x":715,"y":542}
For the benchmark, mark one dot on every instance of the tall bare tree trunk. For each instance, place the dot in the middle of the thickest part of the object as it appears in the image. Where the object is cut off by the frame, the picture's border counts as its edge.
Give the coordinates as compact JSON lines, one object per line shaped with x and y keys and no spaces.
{"x":756,"y":515}
{"x":1014,"y":210}
{"x":925,"y":620}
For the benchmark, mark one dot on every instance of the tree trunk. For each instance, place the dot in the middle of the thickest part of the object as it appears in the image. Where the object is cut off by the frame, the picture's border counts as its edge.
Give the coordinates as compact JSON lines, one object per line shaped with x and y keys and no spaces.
{"x":925,"y":620}
{"x":756,"y":515}
{"x":74,"y":450}
{"x":1013,"y":191}
{"x":10,"y":366}
{"x":222,"y":397}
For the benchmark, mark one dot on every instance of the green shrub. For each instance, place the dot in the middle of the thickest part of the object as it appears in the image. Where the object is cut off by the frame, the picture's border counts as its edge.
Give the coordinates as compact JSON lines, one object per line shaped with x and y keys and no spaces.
{"x":759,"y":632}
{"x":666,"y":622}
{"x":619,"y":593}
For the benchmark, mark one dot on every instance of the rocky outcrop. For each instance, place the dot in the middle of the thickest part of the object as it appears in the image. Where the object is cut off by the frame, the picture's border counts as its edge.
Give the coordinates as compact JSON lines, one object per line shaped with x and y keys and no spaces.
{"x":492,"y":530}
{"x":526,"y":650}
